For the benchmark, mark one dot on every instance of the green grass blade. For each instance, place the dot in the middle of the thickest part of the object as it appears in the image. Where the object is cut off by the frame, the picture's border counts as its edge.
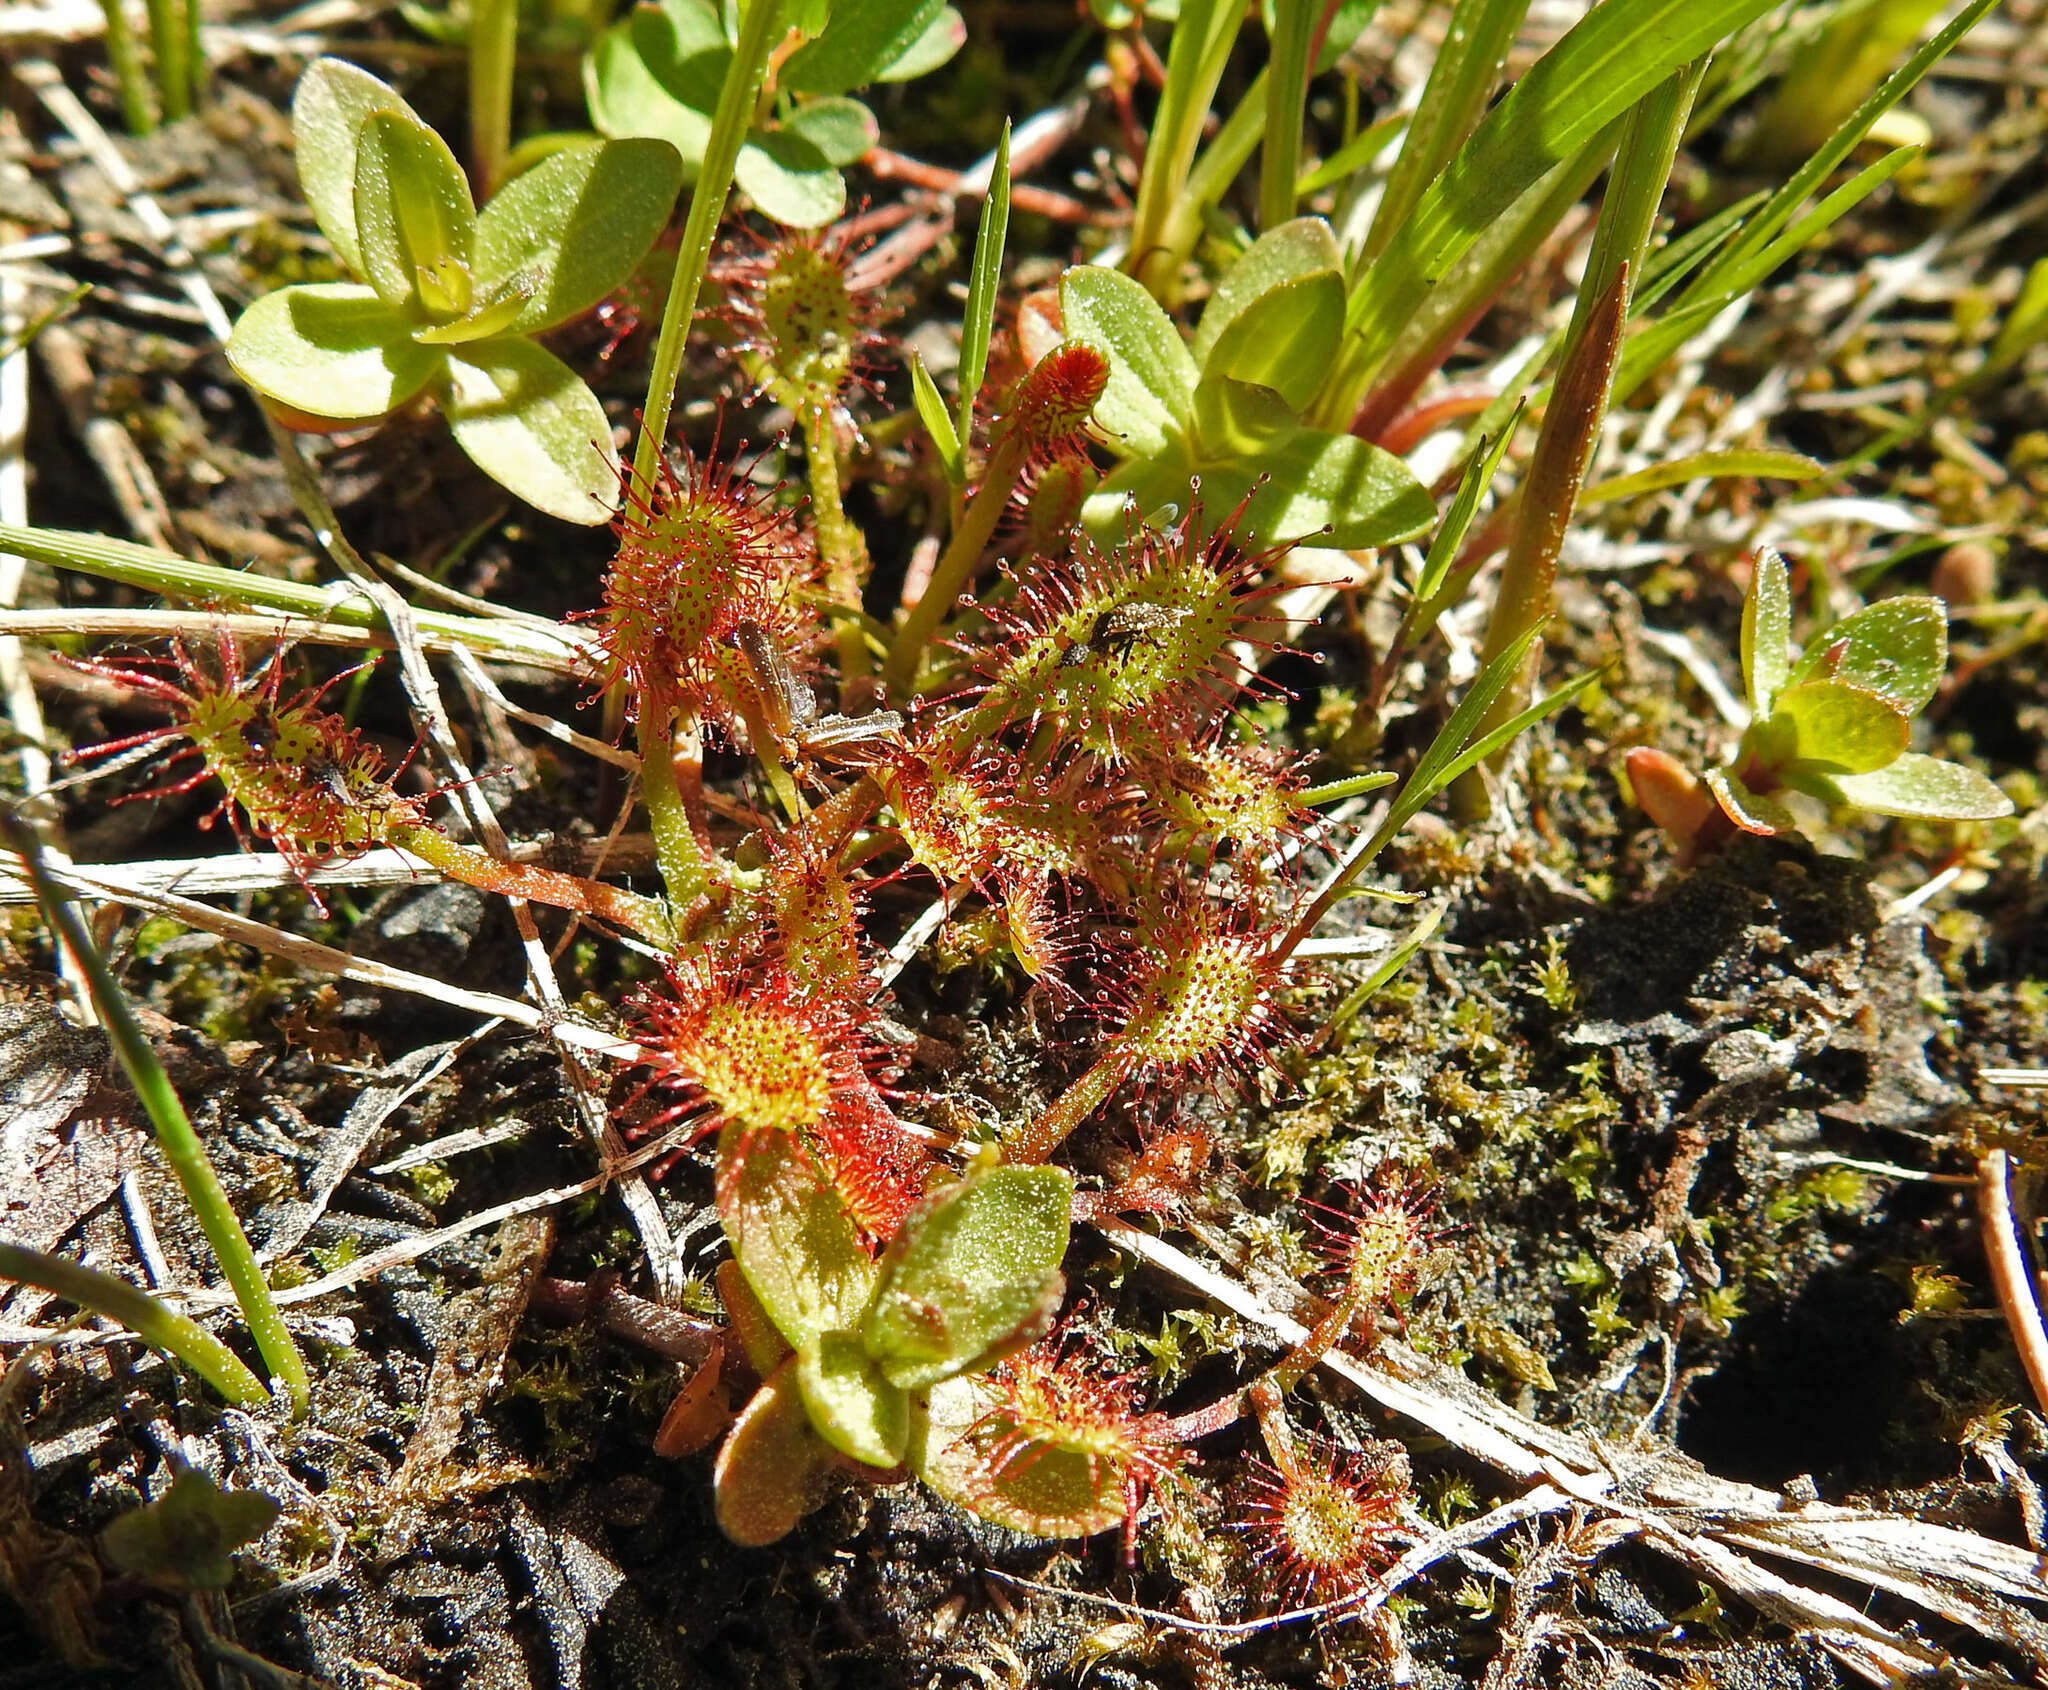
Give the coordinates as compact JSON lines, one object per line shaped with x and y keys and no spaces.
{"x":1287,"y":71}
{"x":1615,"y":56}
{"x":1764,"y":227}
{"x":181,"y":1146}
{"x":759,"y":34}
{"x":1647,"y":351}
{"x":983,"y":278}
{"x":206,"y":583}
{"x":1461,"y":79}
{"x":1429,"y":601}
{"x":1203,"y":36}
{"x":149,"y":1318}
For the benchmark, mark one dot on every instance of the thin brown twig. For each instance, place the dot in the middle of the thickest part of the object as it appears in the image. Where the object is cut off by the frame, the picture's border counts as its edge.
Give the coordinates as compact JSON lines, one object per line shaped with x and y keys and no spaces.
{"x":2005,"y":1254}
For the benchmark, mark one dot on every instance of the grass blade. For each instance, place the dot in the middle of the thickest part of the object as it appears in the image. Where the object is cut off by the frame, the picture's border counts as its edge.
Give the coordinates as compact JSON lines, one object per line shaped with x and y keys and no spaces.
{"x":152,"y":1320}
{"x":1287,"y":70}
{"x":1611,"y":59}
{"x":175,"y":1136}
{"x":982,"y":280}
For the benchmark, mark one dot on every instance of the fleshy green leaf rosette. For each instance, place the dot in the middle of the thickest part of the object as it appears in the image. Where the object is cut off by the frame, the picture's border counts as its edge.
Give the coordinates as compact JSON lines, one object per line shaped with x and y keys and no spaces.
{"x":1228,"y":410}
{"x":449,"y":298}
{"x":1835,"y":722}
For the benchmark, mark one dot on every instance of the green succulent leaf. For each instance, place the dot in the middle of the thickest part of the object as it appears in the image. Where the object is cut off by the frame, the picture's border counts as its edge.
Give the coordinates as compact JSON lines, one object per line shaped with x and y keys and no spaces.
{"x":684,"y":45}
{"x":414,"y":218}
{"x":790,"y":1230}
{"x":332,"y":349}
{"x":627,"y":99}
{"x":574,"y":226}
{"x":1286,"y":339}
{"x":944,"y":36}
{"x":491,"y":313}
{"x":1835,"y":728}
{"x":1896,"y":648}
{"x":186,"y":1539}
{"x":529,"y":423}
{"x":1766,"y":631}
{"x":773,"y":1468}
{"x":1296,"y":251}
{"x":842,"y":129}
{"x":1750,"y":811}
{"x":1151,"y":373}
{"x":1313,"y":482}
{"x":863,"y":39}
{"x":968,"y":1271}
{"x":789,"y":179}
{"x":1913,"y":784}
{"x":852,"y":1404}
{"x":332,"y":103}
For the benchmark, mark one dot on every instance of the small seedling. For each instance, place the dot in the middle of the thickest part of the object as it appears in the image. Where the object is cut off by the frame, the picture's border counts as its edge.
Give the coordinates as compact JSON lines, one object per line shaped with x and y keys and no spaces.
{"x":450,"y":298}
{"x":1832,"y":722}
{"x":659,"y":70}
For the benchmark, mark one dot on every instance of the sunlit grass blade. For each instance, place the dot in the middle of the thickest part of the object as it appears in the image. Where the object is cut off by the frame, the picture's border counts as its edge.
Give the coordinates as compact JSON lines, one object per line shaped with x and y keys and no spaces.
{"x":158,"y":1325}
{"x":1203,"y":36}
{"x":1420,"y":932}
{"x":526,"y":640}
{"x":1611,"y":59}
{"x":1429,"y":600}
{"x":931,"y":409}
{"x":181,"y":1146}
{"x":1760,"y":462}
{"x":983,"y":278}
{"x":1287,"y":72}
{"x":1461,"y":78}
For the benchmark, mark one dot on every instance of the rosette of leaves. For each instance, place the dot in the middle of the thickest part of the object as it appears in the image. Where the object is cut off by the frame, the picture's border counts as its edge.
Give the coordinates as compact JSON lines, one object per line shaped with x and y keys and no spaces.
{"x":851,"y":1347}
{"x":1833,"y":722}
{"x":658,"y":72}
{"x":450,"y":298}
{"x":1228,"y":409}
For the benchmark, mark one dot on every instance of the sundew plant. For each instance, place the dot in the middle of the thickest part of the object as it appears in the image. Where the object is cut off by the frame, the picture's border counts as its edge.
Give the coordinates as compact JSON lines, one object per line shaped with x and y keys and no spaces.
{"x":1049,"y":737}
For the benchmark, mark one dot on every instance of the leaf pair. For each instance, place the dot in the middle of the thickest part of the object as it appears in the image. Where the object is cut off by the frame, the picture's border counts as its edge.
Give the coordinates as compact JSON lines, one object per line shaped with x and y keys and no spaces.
{"x":658,"y":73}
{"x":1228,"y":410}
{"x":849,"y":1346}
{"x":450,"y":297}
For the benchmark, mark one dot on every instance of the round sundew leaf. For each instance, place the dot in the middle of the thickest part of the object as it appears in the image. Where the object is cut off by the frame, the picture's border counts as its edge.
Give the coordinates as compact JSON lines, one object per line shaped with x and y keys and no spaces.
{"x":1896,"y":648}
{"x":956,"y":1431}
{"x":791,"y":1231}
{"x":789,"y":179}
{"x":333,"y":349}
{"x":968,"y":1271}
{"x":842,"y":129}
{"x":329,"y":108}
{"x":862,"y":39}
{"x":1296,"y":251}
{"x":1914,"y":784}
{"x":528,"y":422}
{"x":573,"y":227}
{"x":414,"y":217}
{"x":852,"y":1406}
{"x":944,"y":36}
{"x":773,"y":1468}
{"x":1151,"y":373}
{"x":1839,"y":729}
